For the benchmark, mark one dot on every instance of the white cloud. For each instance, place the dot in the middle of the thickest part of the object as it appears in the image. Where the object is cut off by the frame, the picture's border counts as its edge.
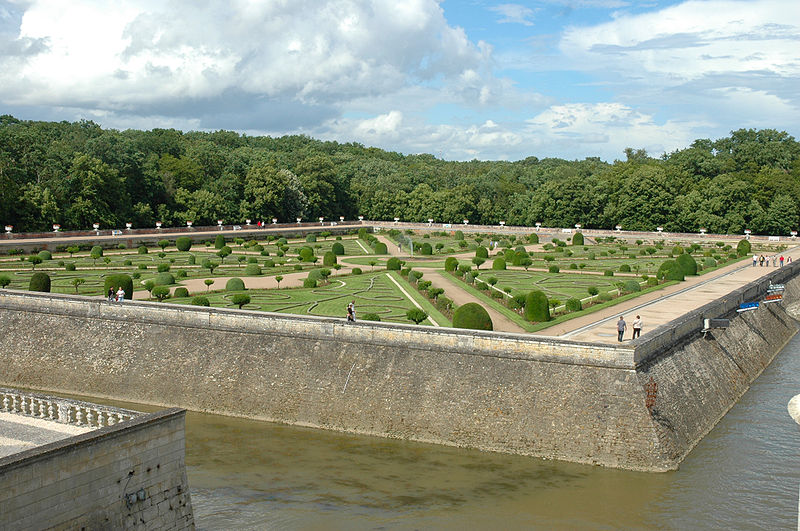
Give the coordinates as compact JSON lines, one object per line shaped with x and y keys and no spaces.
{"x":514,"y":14}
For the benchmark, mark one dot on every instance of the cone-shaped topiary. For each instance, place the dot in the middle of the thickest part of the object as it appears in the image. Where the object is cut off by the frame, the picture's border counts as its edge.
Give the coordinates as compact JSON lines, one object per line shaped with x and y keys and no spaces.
{"x":234,"y":284}
{"x":687,"y":264}
{"x":329,"y":258}
{"x":499,"y":264}
{"x":338,"y":249}
{"x":743,"y":248}
{"x":537,"y":307}
{"x":577,"y":239}
{"x":184,"y":243}
{"x":219,"y":241}
{"x":472,"y":316}
{"x":393,"y":264}
{"x":451,"y":263}
{"x":39,"y":282}
{"x":117,"y":281}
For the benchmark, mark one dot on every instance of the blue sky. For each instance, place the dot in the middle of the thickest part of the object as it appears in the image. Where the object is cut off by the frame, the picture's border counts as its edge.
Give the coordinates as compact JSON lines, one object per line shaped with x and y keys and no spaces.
{"x":458,"y":79}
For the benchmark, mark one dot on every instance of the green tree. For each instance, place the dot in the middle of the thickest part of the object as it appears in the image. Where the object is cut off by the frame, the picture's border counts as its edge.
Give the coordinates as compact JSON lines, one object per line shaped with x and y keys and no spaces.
{"x":240,"y":299}
{"x":35,"y":260}
{"x":416,"y":315}
{"x":161,"y":293}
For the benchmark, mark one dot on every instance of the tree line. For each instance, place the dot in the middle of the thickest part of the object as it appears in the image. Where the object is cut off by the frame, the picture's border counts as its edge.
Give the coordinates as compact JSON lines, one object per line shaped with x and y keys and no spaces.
{"x":78,"y":173}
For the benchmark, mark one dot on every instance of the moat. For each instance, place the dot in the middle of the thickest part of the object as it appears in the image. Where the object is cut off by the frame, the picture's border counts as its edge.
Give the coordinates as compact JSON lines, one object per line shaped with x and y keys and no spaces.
{"x":254,"y":475}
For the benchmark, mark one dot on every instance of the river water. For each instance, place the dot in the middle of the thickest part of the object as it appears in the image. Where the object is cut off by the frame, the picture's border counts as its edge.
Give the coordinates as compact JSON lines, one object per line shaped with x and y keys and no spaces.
{"x":247,"y":474}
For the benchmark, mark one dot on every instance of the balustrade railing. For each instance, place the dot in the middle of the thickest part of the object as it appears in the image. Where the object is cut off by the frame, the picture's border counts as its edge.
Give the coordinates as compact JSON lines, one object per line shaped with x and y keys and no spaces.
{"x":63,"y":410}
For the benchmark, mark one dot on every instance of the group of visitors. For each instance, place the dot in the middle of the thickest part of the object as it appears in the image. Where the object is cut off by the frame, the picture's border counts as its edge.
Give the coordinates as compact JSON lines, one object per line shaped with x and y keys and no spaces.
{"x":116,"y":295}
{"x":777,"y":261}
{"x":622,"y":326}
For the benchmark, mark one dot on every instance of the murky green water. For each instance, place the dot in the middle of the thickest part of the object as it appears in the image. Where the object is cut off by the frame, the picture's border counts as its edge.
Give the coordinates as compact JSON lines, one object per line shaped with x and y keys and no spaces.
{"x":254,"y":475}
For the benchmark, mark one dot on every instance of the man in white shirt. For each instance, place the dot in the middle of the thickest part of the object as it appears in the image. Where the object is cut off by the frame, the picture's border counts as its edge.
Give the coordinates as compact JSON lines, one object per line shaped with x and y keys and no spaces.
{"x":637,"y":327}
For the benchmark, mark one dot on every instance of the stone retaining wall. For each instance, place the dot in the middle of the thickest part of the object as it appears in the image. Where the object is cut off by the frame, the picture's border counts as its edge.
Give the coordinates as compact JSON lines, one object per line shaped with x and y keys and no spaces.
{"x":131,"y":475}
{"x":493,"y":391}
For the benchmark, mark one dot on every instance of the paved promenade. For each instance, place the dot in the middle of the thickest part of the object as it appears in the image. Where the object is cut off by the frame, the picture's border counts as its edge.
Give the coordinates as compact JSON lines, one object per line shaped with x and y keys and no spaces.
{"x":664,"y":305}
{"x":19,"y":433}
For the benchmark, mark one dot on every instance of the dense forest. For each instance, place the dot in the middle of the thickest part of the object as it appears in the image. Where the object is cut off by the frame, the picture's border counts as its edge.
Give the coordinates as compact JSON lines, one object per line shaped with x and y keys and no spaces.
{"x":76,"y":174}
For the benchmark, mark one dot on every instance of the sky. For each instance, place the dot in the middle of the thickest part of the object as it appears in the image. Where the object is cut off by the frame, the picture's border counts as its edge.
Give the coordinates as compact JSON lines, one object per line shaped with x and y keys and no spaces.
{"x":461,"y":80}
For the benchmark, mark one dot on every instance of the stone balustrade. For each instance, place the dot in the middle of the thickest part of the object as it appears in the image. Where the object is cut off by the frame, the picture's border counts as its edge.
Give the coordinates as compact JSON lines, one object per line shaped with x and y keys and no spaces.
{"x":63,"y":410}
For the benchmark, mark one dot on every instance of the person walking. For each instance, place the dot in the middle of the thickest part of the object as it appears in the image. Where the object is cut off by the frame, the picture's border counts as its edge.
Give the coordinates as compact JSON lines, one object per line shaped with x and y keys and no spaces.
{"x":755,"y":260}
{"x":761,"y":260}
{"x":781,"y":260}
{"x":621,"y":327}
{"x":637,"y":327}
{"x":351,"y":312}
{"x":111,"y":294}
{"x":120,"y":294}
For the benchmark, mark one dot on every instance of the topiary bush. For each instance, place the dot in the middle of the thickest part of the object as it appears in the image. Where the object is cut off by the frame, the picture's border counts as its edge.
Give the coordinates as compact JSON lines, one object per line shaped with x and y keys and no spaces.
{"x":357,"y":271}
{"x":574,"y":305}
{"x":687,"y":264}
{"x":180,"y":292}
{"x":337,"y":249}
{"x":219,"y":241}
{"x":184,"y":243}
{"x":240,"y":299}
{"x":743,"y":248}
{"x":537,"y":307}
{"x":663,"y":268}
{"x":45,"y":255}
{"x":393,"y":264}
{"x":451,"y":263}
{"x":577,"y":239}
{"x":677,"y":250}
{"x":709,"y":262}
{"x":533,"y":238}
{"x":69,"y":267}
{"x":370,"y":317}
{"x":329,"y":258}
{"x":311,"y":238}
{"x":309,"y":283}
{"x":96,"y":251}
{"x":200,"y":300}
{"x":608,"y":273}
{"x":652,"y":281}
{"x":631,"y":286}
{"x":142,"y":249}
{"x":472,"y":316}
{"x":426,"y":249}
{"x":39,"y":282}
{"x":234,"y":284}
{"x":499,"y":264}
{"x":117,"y":281}
{"x":624,"y":268}
{"x":164,"y":279}
{"x":162,"y":268}
{"x":553,"y":269}
{"x":481,"y":252}
{"x":252,"y":270}
{"x":380,"y":248}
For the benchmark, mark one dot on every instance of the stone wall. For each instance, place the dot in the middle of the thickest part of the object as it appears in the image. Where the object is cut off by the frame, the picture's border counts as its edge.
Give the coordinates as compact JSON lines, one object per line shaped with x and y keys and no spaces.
{"x":493,"y":391}
{"x":130,"y":475}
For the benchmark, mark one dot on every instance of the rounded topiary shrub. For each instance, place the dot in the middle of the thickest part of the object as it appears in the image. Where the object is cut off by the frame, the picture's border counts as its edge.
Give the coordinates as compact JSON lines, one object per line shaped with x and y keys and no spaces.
{"x":240,"y":299}
{"x":117,"y":281}
{"x":472,"y":316}
{"x":306,"y":254}
{"x":96,"y":251}
{"x":269,"y":263}
{"x":537,"y":307}
{"x":329,"y":258}
{"x":311,"y":238}
{"x":624,"y":268}
{"x":677,"y":250}
{"x":234,"y":284}
{"x":451,"y":263}
{"x":219,"y":241}
{"x":663,"y":268}
{"x":577,"y":239}
{"x":191,"y":259}
{"x":499,"y":264}
{"x":393,"y":264}
{"x":631,"y":286}
{"x":574,"y":305}
{"x":142,"y":249}
{"x":309,"y":283}
{"x":370,"y":317}
{"x":380,"y":248}
{"x":252,"y":270}
{"x":164,"y":279}
{"x":180,"y":292}
{"x":200,"y":300}
{"x":45,"y":255}
{"x":743,"y":248}
{"x":675,"y":272}
{"x":39,"y":282}
{"x":687,"y":264}
{"x":162,"y":268}
{"x":69,"y":267}
{"x":608,"y":273}
{"x":338,"y":249}
{"x":184,"y":243}
{"x":181,"y":274}
{"x":357,"y":271}
{"x":533,"y":238}
{"x":426,"y":249}
{"x":481,"y":252}
{"x":709,"y":262}
{"x":553,"y":269}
